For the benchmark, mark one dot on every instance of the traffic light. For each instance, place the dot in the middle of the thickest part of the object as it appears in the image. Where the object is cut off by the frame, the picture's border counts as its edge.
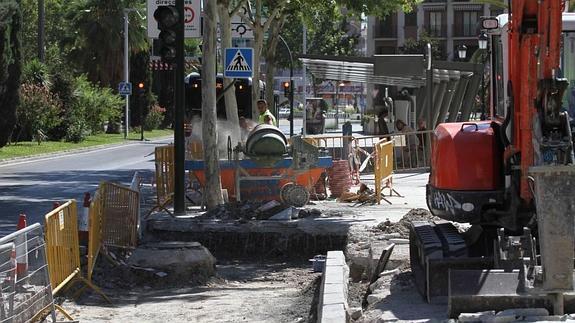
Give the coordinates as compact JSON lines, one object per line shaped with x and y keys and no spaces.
{"x":141,"y":88}
{"x":287,"y":89}
{"x":168,"y":19}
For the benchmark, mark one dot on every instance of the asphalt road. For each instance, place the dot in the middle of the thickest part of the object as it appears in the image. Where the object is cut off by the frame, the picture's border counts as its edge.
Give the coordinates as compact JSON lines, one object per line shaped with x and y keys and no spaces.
{"x":32,"y":186}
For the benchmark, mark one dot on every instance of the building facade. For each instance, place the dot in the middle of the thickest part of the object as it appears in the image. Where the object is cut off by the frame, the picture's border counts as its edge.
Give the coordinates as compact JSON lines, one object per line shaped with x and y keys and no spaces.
{"x":451,"y":23}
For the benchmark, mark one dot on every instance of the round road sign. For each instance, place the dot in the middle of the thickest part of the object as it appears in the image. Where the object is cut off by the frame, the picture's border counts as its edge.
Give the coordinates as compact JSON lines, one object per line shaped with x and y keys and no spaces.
{"x":189,"y":14}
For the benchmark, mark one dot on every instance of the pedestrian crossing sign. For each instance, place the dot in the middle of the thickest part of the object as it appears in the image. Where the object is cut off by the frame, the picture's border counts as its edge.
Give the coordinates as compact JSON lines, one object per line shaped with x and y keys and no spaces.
{"x":125,"y":88}
{"x":239,"y":63}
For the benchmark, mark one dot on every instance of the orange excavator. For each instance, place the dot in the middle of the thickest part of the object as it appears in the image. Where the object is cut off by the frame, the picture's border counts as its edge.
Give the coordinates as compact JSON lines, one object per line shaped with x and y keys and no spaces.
{"x":510,"y":179}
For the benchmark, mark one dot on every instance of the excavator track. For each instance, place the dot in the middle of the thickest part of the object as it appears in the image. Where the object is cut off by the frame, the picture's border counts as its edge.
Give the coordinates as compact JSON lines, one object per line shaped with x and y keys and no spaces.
{"x":435,"y":248}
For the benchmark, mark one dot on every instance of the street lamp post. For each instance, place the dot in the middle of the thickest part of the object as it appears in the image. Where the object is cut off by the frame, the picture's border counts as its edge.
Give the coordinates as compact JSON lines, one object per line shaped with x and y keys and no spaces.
{"x":483,"y":41}
{"x":291,"y":90}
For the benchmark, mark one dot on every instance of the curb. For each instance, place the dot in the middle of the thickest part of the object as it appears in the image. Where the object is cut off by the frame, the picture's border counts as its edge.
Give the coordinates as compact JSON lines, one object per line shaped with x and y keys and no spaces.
{"x":332,"y":307}
{"x":38,"y":157}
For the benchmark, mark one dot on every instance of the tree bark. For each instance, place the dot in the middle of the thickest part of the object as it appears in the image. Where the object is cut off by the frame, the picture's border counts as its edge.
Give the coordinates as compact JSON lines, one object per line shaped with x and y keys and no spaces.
{"x":271,"y":49}
{"x":258,"y":45}
{"x":230,"y":95}
{"x":213,"y":190}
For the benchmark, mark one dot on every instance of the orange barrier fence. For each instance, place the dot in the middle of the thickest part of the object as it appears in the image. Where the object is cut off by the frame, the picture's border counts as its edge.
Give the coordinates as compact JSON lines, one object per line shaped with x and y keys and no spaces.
{"x":164,"y":178}
{"x":62,"y":248}
{"x":383,"y":169}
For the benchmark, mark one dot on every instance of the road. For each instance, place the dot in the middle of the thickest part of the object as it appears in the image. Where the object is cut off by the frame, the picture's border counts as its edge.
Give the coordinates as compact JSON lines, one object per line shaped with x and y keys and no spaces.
{"x":32,"y":186}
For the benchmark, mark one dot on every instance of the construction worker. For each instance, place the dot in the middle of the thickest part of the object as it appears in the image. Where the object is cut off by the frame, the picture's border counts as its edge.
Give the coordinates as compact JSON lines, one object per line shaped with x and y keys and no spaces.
{"x":265,"y":115}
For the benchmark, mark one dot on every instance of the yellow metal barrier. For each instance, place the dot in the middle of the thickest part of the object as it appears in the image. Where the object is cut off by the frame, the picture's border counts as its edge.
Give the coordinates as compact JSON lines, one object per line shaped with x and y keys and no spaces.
{"x":164,"y":178}
{"x":121,"y":213}
{"x":383,"y":169}
{"x":62,"y":248}
{"x":114,"y":215}
{"x":95,"y":230}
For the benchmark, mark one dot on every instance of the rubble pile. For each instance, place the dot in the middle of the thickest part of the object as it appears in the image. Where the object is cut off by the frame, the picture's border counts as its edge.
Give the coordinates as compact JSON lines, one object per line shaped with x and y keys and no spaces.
{"x":245,"y":210}
{"x":402,"y":227}
{"x":254,"y":210}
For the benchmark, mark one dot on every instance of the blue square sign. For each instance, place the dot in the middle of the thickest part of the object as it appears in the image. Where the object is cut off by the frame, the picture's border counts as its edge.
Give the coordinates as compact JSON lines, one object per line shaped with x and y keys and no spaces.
{"x":125,"y":88}
{"x":239,"y":63}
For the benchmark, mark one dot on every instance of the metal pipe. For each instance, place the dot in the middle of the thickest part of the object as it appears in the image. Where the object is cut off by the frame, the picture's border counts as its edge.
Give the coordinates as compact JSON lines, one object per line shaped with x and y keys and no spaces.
{"x":429,"y":88}
{"x":126,"y":72}
{"x":304,"y":79}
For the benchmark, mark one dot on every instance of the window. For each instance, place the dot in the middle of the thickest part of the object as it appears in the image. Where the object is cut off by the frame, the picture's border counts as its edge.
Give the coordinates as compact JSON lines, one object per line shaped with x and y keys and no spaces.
{"x":470,"y":19}
{"x":434,"y":24}
{"x":497,"y":77}
{"x":411,"y":18}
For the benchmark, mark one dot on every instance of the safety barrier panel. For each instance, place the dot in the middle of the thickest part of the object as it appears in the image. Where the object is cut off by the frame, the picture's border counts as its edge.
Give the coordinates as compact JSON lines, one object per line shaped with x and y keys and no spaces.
{"x":383,"y":169}
{"x":62,"y":248}
{"x":114,"y":220}
{"x":27,"y":296}
{"x":412,"y":150}
{"x":121,"y":215}
{"x":95,"y":230}
{"x":164,"y":178}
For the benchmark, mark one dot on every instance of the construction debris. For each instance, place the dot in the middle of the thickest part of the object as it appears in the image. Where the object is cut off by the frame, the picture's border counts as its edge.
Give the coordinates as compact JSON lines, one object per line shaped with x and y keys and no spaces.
{"x":402,"y":227}
{"x":363,"y":196}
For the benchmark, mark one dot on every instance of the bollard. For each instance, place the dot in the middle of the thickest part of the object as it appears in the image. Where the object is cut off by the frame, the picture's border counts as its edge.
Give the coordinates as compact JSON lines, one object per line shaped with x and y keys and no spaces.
{"x":21,"y":249}
{"x":83,"y":219}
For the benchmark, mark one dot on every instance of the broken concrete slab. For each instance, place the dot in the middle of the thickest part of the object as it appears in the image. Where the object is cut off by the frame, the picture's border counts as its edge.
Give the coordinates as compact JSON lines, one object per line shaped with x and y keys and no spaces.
{"x":181,"y":261}
{"x":477,"y":317}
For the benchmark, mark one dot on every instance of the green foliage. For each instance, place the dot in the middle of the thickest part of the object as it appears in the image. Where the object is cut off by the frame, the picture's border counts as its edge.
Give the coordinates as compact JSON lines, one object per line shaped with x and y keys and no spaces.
{"x":98,"y":105}
{"x":38,"y":112}
{"x":413,"y":46}
{"x":97,"y":43}
{"x":35,"y":72}
{"x":154,"y":118}
{"x":378,"y":8}
{"x":10,"y":67}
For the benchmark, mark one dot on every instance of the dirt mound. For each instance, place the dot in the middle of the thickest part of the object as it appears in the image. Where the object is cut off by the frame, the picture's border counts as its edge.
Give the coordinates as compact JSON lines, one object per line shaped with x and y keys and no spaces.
{"x":402,"y":227}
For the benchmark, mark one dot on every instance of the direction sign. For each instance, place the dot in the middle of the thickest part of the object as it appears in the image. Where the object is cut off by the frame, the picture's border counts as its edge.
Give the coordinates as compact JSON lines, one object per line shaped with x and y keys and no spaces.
{"x":192,"y":14}
{"x":239,"y":27}
{"x":239,"y":63}
{"x":125,"y":88}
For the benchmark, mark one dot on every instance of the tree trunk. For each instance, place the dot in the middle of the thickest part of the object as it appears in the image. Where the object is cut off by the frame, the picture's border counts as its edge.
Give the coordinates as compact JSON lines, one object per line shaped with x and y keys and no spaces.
{"x":213,"y":190}
{"x":258,"y":45}
{"x":271,"y":58}
{"x":230,"y":95}
{"x":10,"y":68}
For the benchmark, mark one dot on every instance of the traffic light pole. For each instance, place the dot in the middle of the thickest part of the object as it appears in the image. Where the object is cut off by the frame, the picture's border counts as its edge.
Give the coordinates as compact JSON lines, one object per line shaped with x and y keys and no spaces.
{"x":179,"y":140}
{"x":126,"y":72}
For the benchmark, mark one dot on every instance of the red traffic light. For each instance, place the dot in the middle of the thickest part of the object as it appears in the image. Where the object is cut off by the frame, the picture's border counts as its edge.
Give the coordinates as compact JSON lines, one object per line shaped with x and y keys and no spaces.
{"x":141,"y":85}
{"x":286,"y":85}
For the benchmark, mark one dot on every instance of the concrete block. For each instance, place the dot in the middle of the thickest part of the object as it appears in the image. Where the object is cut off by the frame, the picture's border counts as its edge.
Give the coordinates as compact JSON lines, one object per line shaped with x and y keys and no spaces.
{"x":399,"y":257}
{"x":477,"y":317}
{"x":334,"y":298}
{"x":337,"y":254}
{"x":334,"y":275}
{"x":334,"y":313}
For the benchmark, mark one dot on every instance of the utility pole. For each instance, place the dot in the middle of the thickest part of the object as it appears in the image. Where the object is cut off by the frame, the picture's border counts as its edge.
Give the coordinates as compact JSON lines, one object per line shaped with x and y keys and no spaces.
{"x":304,"y":80}
{"x":41,"y":31}
{"x":126,"y":72}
